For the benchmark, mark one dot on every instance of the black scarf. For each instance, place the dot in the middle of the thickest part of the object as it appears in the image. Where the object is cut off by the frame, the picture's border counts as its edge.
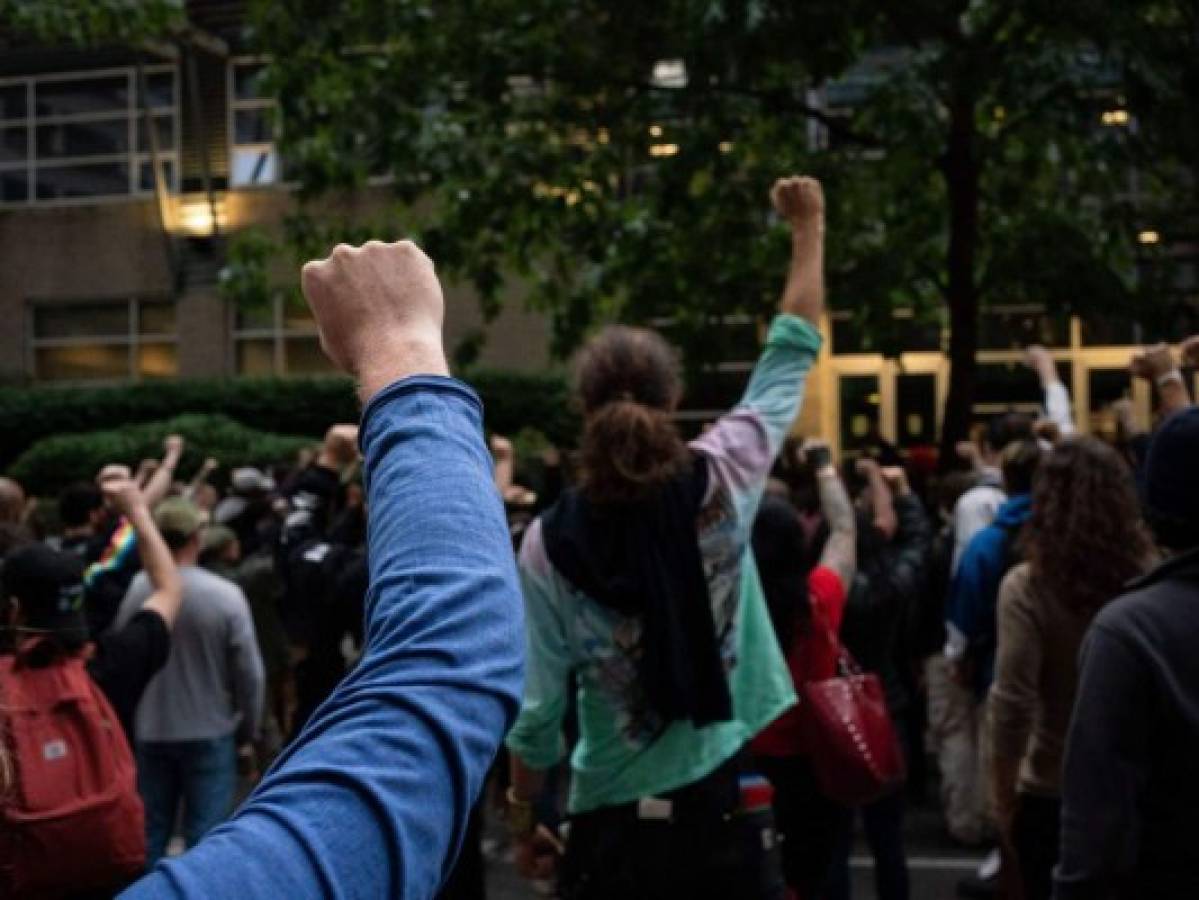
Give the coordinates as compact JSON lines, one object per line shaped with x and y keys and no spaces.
{"x":642,"y":559}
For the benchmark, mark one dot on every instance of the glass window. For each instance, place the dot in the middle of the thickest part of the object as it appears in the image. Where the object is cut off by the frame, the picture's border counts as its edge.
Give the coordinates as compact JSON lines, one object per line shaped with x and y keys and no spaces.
{"x":146,"y":175}
{"x":156,"y":318}
{"x":256,"y":357}
{"x":157,"y":360}
{"x":160,"y":89}
{"x":90,"y":180}
{"x":88,"y":135}
{"x":164,"y":129}
{"x":254,"y":167}
{"x":247,"y":81}
{"x":253,"y":126}
{"x":916,"y":419}
{"x":109,"y":93}
{"x":280,"y":339}
{"x":14,"y":143}
{"x":81,"y":363}
{"x":252,"y":156}
{"x":107,"y":138}
{"x":859,"y":410}
{"x":81,"y":320}
{"x":14,"y":187}
{"x":12,"y":101}
{"x":104,"y":340}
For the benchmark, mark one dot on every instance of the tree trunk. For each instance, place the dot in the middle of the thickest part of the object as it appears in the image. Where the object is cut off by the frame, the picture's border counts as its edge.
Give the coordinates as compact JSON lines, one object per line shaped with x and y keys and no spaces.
{"x":960,"y":167}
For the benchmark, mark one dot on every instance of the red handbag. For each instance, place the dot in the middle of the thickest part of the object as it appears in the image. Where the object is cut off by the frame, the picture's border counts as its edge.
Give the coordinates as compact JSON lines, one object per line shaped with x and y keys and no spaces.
{"x":854,"y":750}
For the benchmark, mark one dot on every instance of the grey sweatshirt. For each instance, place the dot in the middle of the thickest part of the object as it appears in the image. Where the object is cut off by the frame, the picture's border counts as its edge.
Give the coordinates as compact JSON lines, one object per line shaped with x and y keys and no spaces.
{"x":213,"y":682}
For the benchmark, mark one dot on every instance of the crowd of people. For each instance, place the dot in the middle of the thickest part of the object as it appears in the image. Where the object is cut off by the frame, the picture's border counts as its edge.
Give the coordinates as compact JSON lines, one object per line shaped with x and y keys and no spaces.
{"x":733,"y":647}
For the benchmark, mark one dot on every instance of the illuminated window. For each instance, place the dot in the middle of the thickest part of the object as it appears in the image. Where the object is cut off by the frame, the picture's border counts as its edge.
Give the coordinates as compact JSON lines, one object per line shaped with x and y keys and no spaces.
{"x":82,"y":135}
{"x":253,"y":159}
{"x":281,"y":340}
{"x":103,"y":340}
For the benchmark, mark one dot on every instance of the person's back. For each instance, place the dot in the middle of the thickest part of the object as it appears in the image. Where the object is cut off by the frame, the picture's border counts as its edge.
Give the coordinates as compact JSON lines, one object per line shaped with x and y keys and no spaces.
{"x":205,"y":703}
{"x":1130,"y":786}
{"x":206,"y":685}
{"x":1142,"y":656}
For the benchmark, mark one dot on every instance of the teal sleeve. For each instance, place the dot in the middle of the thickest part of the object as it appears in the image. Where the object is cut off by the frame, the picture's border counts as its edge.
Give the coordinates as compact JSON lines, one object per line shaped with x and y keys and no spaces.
{"x":537,"y":735}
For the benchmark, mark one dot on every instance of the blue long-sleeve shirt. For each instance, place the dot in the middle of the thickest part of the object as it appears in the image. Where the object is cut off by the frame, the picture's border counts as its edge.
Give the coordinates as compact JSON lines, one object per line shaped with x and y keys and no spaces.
{"x":373,"y":797}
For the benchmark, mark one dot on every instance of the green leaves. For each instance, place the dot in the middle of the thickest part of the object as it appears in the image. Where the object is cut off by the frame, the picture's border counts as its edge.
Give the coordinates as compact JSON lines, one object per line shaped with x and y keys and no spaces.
{"x":92,"y":22}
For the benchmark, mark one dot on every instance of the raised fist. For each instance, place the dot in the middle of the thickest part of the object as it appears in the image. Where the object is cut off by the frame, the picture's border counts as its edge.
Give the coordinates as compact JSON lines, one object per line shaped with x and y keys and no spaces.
{"x":1153,"y":362}
{"x":379,"y":309}
{"x":1190,"y":350}
{"x":798,"y":199}
{"x":341,"y":445}
{"x":173,"y":446}
{"x":501,"y":447}
{"x":1041,"y":361}
{"x":121,"y":491}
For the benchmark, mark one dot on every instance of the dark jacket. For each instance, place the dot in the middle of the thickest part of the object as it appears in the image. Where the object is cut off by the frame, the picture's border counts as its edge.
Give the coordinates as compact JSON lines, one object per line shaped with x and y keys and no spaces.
{"x":890,"y":578}
{"x":1130,"y":793}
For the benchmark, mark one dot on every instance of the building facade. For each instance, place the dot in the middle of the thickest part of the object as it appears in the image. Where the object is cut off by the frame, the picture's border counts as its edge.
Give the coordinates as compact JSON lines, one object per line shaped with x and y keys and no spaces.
{"x":123,"y":172}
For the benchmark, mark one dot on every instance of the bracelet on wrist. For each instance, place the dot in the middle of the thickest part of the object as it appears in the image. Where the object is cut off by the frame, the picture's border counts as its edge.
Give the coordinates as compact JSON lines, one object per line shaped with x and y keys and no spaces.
{"x":1172,"y":376}
{"x":522,"y":818}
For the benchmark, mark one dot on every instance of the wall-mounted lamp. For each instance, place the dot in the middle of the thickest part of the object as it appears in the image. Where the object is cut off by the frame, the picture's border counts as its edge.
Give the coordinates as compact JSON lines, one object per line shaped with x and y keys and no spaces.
{"x":196,"y":215}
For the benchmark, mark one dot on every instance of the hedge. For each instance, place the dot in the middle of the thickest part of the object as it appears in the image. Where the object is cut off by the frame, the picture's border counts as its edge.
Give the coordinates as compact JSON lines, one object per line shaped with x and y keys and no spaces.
{"x":54,"y":462}
{"x":299,"y":406}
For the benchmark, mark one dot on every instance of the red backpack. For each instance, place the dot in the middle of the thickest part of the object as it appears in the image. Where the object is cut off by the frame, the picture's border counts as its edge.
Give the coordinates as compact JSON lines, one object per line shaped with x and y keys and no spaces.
{"x":72,"y":820}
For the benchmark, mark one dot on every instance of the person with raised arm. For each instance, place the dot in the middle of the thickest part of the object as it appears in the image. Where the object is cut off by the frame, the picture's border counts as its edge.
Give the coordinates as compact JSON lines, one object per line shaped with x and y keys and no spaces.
{"x":373,"y":796}
{"x":641,"y":582}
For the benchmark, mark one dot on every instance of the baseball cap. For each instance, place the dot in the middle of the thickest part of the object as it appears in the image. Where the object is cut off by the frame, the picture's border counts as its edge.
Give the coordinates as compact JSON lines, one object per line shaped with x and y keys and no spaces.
{"x":217,"y":538}
{"x":48,"y":583}
{"x":178,"y":518}
{"x":248,"y":480}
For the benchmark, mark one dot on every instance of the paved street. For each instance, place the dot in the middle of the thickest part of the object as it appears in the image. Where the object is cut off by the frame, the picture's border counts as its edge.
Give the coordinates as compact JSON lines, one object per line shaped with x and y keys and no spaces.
{"x":935,"y":863}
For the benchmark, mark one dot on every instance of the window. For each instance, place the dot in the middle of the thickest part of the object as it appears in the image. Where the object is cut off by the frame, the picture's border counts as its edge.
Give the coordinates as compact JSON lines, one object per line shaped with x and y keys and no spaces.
{"x":103,"y":339}
{"x":82,"y":135}
{"x":253,"y":159}
{"x":279,"y":340}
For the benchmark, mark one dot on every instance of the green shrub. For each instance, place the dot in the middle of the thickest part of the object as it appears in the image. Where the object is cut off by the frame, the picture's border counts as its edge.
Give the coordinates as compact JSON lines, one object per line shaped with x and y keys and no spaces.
{"x":54,"y":462}
{"x":302,"y":406}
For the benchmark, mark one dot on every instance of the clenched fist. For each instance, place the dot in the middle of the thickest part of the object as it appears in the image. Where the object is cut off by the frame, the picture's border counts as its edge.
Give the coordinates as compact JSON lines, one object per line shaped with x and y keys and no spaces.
{"x":799,"y":200}
{"x":379,"y":309}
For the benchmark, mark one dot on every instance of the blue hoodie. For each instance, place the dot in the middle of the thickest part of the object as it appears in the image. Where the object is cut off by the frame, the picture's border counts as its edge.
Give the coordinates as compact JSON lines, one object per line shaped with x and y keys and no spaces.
{"x":974,"y":592}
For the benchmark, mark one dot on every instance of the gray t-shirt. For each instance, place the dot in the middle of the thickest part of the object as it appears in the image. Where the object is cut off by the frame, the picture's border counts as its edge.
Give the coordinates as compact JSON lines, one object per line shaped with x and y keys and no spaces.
{"x":213,"y":682}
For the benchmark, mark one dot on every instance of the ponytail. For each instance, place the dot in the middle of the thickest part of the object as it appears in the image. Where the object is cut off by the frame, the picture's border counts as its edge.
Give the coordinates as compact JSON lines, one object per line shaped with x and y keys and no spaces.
{"x":627,"y":450}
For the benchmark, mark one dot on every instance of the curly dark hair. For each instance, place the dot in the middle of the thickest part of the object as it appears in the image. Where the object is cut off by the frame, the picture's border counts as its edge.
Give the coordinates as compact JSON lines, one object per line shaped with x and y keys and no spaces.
{"x":628,"y":382}
{"x":1086,"y":538}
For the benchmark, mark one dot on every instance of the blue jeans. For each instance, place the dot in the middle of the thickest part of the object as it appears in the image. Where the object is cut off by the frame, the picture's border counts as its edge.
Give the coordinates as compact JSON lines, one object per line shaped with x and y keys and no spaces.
{"x":201,"y":774}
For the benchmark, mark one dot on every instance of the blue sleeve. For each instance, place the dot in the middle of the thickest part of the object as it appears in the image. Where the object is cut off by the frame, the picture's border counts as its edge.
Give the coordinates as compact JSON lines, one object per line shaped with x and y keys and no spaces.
{"x":967,"y":588}
{"x":373,"y":797}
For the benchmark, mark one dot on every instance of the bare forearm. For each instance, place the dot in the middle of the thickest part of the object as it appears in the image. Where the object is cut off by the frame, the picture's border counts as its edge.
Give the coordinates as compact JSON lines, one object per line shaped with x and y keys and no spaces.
{"x":882,"y":504}
{"x":160,"y":482}
{"x":1174,"y":394}
{"x":803,"y":293}
{"x":527,"y":783}
{"x":840,"y":552}
{"x":159,"y":565}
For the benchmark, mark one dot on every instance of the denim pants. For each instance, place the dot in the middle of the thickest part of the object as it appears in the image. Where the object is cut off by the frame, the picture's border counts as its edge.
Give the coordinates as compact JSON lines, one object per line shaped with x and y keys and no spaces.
{"x":200,"y":774}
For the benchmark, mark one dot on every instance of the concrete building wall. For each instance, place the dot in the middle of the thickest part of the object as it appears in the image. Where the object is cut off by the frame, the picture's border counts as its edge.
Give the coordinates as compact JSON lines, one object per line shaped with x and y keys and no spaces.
{"x":117,"y":249}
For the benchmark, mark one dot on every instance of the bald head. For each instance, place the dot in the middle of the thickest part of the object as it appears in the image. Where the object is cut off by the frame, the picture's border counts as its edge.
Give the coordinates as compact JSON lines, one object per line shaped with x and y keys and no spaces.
{"x":12,"y":501}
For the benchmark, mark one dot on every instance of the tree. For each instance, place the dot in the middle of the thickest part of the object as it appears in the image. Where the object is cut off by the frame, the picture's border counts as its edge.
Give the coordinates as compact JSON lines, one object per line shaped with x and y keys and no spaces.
{"x":90,"y":23}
